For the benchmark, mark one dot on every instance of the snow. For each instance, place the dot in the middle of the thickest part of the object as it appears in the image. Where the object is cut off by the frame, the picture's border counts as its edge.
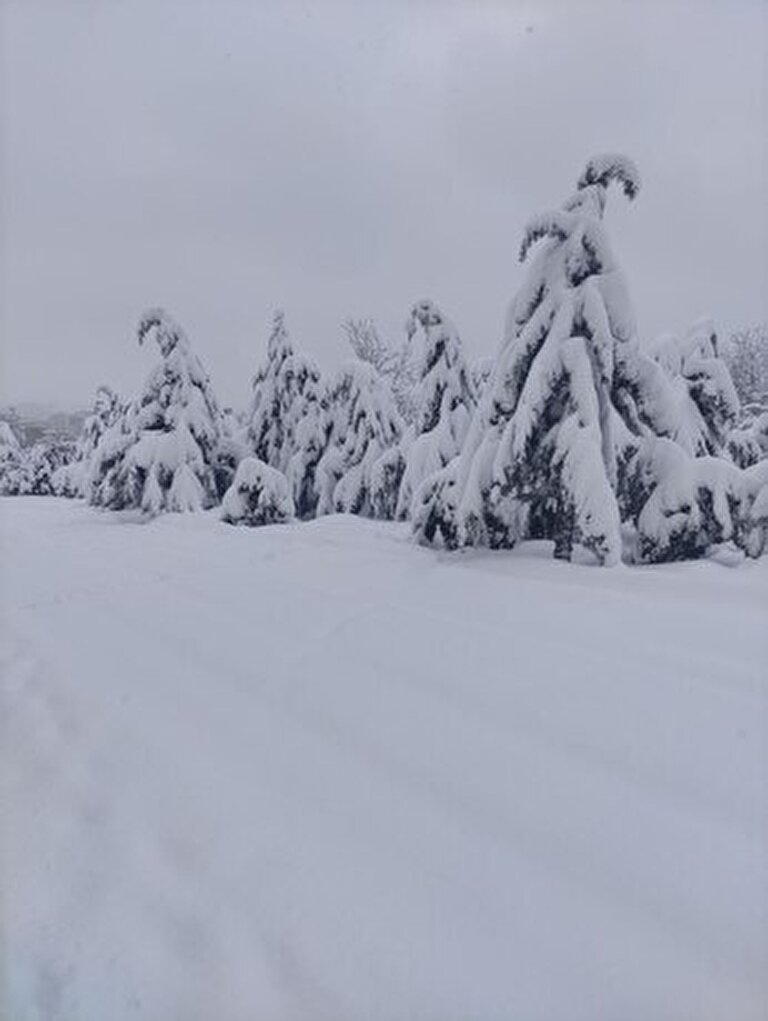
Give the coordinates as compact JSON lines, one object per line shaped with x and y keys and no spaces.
{"x":316,"y":771}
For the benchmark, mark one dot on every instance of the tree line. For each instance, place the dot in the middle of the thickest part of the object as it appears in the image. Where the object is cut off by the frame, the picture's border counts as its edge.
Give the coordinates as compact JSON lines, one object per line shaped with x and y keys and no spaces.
{"x":575,"y":433}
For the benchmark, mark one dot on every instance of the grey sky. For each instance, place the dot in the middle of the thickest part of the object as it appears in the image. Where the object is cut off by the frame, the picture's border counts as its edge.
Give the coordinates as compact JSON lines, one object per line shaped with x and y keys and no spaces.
{"x":221,"y":158}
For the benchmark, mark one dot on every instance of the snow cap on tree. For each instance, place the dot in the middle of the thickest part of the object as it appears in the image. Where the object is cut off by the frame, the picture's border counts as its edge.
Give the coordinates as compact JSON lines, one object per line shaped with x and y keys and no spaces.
{"x":607,"y":167}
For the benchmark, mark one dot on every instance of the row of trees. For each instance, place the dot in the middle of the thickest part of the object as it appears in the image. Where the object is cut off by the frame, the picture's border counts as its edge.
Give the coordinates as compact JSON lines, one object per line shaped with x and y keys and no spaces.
{"x":573,"y":434}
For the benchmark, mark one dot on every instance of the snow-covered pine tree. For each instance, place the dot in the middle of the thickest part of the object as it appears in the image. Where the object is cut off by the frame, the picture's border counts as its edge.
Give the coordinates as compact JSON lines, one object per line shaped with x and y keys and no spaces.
{"x":304,"y":416}
{"x":394,"y":365}
{"x":9,"y":443}
{"x":162,"y":453}
{"x":681,"y":507}
{"x":301,"y":392}
{"x":443,"y":398}
{"x":386,"y":476}
{"x":752,"y":510}
{"x":363,"y":422}
{"x":285,"y":421}
{"x":65,"y":481}
{"x":73,"y":479}
{"x":747,"y":442}
{"x":13,"y":477}
{"x":233,"y":447}
{"x":259,"y":495}
{"x":365,"y":340}
{"x":578,"y":438}
{"x":57,"y":452}
{"x":747,"y":355}
{"x":708,"y":405}
{"x":265,"y":428}
{"x":106,"y":411}
{"x":32,"y":471}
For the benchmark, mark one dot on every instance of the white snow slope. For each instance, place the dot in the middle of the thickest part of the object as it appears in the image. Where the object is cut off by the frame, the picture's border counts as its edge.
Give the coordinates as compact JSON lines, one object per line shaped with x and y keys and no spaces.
{"x":314,"y":771}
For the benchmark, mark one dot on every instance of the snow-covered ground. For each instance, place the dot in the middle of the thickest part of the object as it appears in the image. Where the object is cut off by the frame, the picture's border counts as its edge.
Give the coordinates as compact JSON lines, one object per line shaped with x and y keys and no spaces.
{"x":315,"y":771}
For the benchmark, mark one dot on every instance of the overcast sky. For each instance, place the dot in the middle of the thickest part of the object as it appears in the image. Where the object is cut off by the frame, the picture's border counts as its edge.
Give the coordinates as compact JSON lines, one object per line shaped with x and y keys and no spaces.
{"x":222,"y":158}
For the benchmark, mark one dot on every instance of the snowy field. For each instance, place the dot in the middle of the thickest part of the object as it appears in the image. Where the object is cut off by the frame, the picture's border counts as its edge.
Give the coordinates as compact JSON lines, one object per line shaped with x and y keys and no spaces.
{"x":315,"y":771}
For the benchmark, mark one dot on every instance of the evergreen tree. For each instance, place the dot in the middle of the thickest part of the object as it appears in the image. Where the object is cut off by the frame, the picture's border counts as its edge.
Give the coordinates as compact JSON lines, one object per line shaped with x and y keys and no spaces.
{"x":363,"y":422}
{"x":304,"y":415}
{"x":161,"y":454}
{"x":285,"y":421}
{"x":708,"y":405}
{"x":579,"y":436}
{"x":301,"y":393}
{"x":680,"y":507}
{"x":43,"y":460}
{"x":233,"y":447}
{"x":32,"y":471}
{"x":13,"y":477}
{"x":394,"y":365}
{"x":443,"y":398}
{"x":747,"y":442}
{"x":73,"y":479}
{"x":747,"y":357}
{"x":265,"y":422}
{"x":259,"y":495}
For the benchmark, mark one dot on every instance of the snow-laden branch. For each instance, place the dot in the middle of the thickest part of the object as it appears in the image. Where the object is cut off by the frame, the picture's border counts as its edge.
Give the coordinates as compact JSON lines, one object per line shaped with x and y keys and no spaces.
{"x":546,"y":225}
{"x":167,"y":331}
{"x":609,"y":167}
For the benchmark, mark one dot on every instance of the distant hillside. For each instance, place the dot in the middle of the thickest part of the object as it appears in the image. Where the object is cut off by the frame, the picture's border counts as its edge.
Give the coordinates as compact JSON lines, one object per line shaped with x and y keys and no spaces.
{"x":32,"y":422}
